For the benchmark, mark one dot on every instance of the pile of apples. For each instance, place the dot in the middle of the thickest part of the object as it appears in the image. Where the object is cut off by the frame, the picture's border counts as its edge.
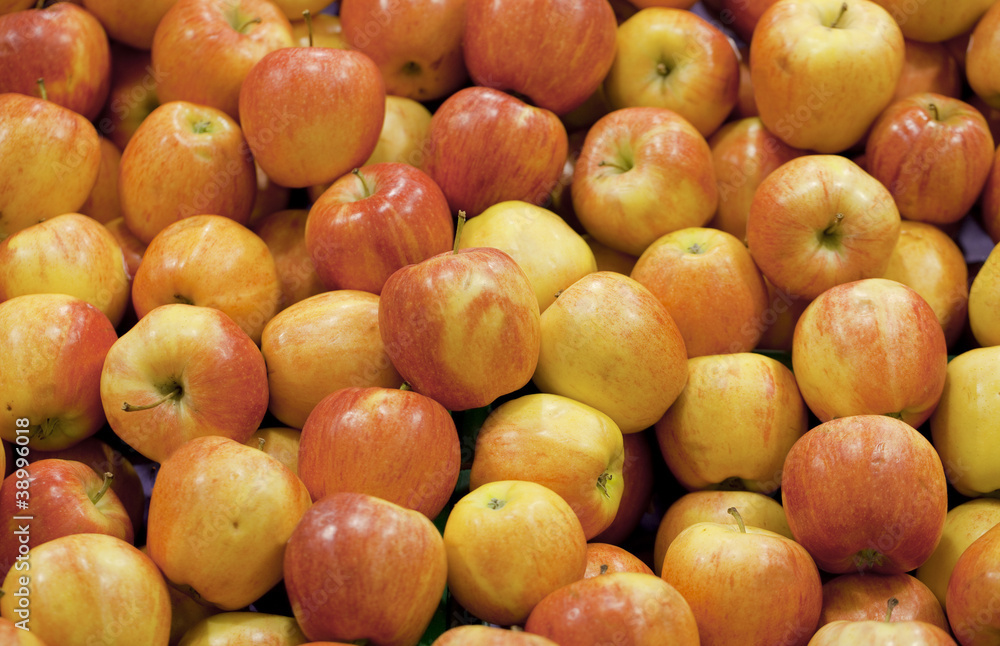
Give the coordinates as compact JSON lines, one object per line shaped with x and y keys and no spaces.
{"x":472,"y":322}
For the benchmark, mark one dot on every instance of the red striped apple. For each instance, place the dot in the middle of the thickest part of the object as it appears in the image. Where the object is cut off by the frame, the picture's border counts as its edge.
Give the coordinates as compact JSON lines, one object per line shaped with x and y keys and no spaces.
{"x":605,"y":558}
{"x":974,"y":592}
{"x":862,"y":597}
{"x":882,"y":632}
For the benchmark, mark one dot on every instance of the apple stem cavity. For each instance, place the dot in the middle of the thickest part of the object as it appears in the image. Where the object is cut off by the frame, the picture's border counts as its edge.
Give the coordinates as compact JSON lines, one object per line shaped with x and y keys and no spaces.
{"x":307,"y":16}
{"x":604,"y":568}
{"x":364,"y":184}
{"x":868,"y":558}
{"x":173,"y":394}
{"x":42,"y":92}
{"x":739,"y":519}
{"x":602,"y":483}
{"x":411,"y":68}
{"x":108,"y":479}
{"x":458,"y":231}
{"x":496,"y":503}
{"x":252,"y":21}
{"x":44,"y":429}
{"x":843,"y":10}
{"x":893,"y":602}
{"x":201,"y":127}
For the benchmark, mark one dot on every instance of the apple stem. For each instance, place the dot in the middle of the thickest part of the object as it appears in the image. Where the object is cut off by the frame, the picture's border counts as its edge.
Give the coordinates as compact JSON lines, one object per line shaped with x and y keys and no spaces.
{"x":405,"y":386}
{"x":458,"y":230}
{"x":108,"y":479}
{"x":602,"y":483}
{"x":604,"y":568}
{"x":252,"y":21}
{"x":307,"y":15}
{"x":739,"y":519}
{"x":837,"y":219}
{"x":129,"y":408}
{"x":260,"y":443}
{"x":662,"y":69}
{"x":612,"y":165}
{"x":893,"y":602}
{"x":40,"y":4}
{"x":843,"y":10}
{"x":496,"y":503}
{"x":934,"y":111}
{"x":41,"y":89}
{"x":364,"y":184}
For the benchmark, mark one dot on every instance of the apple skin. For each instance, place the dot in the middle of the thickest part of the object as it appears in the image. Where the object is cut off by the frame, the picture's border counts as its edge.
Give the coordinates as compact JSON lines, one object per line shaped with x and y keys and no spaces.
{"x":359,"y":567}
{"x":873,"y":467}
{"x":732,"y":402}
{"x":244,"y":282}
{"x":462,"y":328}
{"x":756,"y":509}
{"x":63,"y":44}
{"x":60,"y":503}
{"x":183,"y":160}
{"x":881,"y":633}
{"x":604,"y":558}
{"x":509,"y":544}
{"x":404,"y":132}
{"x":395,"y":444}
{"x":13,"y":636}
{"x":483,"y":635}
{"x":933,"y":153}
{"x":204,"y":49}
{"x":319,"y":345}
{"x":625,"y":607}
{"x":130,"y":23}
{"x":870,"y":347}
{"x":311,"y":114}
{"x":934,"y":21}
{"x":237,"y":628}
{"x":373,"y":221}
{"x":557,"y":56}
{"x":930,"y":262}
{"x":280,"y":443}
{"x":863,"y":596}
{"x":741,"y":16}
{"x":990,"y":204}
{"x":675,"y":59}
{"x":816,"y":99}
{"x":284,"y":233}
{"x":57,"y":344}
{"x":220,"y":374}
{"x":764,"y":583}
{"x":981,"y":57}
{"x":132,"y":247}
{"x":417,"y":46}
{"x":973,"y":591}
{"x":964,"y":524}
{"x":818,"y":221}
{"x":928,"y":67}
{"x":219,"y":516}
{"x":52,"y":157}
{"x":963,"y":426}
{"x":604,"y":341}
{"x":103,"y":204}
{"x":569,"y":447}
{"x":642,"y":173}
{"x":132,"y":96}
{"x":984,"y":301}
{"x":709,"y":283}
{"x":528,"y":147}
{"x":637,"y":489}
{"x":90,"y":588}
{"x":779,"y":319}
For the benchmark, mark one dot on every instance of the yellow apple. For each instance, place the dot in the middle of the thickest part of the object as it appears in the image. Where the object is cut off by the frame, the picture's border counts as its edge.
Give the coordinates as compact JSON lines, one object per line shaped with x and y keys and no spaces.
{"x":239,"y":628}
{"x":984,"y":301}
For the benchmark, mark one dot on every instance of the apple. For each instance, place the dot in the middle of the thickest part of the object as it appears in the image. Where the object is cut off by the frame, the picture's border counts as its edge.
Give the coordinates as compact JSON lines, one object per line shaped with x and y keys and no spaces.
{"x":637,"y":489}
{"x":271,"y":197}
{"x":183,"y":160}
{"x":758,"y":510}
{"x":320,"y":345}
{"x":528,"y":147}
{"x":746,"y":104}
{"x":990,"y":204}
{"x":395,"y":444}
{"x":88,"y":589}
{"x":244,"y":282}
{"x":933,"y":153}
{"x":69,"y":254}
{"x":55,"y":155}
{"x":509,"y":544}
{"x":54,"y":349}
{"x":555,"y":53}
{"x":935,"y":21}
{"x":604,"y":558}
{"x":609,"y":259}
{"x":733,"y":424}
{"x":203,"y":49}
{"x":743,"y":154}
{"x":709,"y":283}
{"x":417,"y":46}
{"x":870,"y":347}
{"x":823,"y":70}
{"x":928,"y":67}
{"x":745,"y":584}
{"x":625,"y":607}
{"x":461,"y":327}
{"x":181,"y":372}
{"x":220,"y":514}
{"x":311,"y":114}
{"x":185,"y":610}
{"x":818,"y":221}
{"x":642,"y":173}
{"x":609,"y":343}
{"x":882,"y":632}
{"x":485,"y":635}
{"x":870,"y":467}
{"x":132,"y":96}
{"x":964,"y":523}
{"x":63,"y":44}
{"x":779,"y":319}
{"x":981,"y":59}
{"x":103,"y":203}
{"x":284,"y":233}
{"x":862,"y":597}
{"x":963,"y":426}
{"x":62,"y":497}
{"x":740,"y":16}
{"x":550,"y":252}
{"x":373,"y":221}
{"x":359,"y":567}
{"x":569,"y":447}
{"x":132,"y":247}
{"x":237,"y":628}
{"x":675,"y":59}
{"x":14,"y":636}
{"x":984,"y":301}
{"x":320,"y":30}
{"x":280,"y":442}
{"x":131,"y":23}
{"x":294,"y":9}
{"x":404,"y":132}
{"x":973,"y":593}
